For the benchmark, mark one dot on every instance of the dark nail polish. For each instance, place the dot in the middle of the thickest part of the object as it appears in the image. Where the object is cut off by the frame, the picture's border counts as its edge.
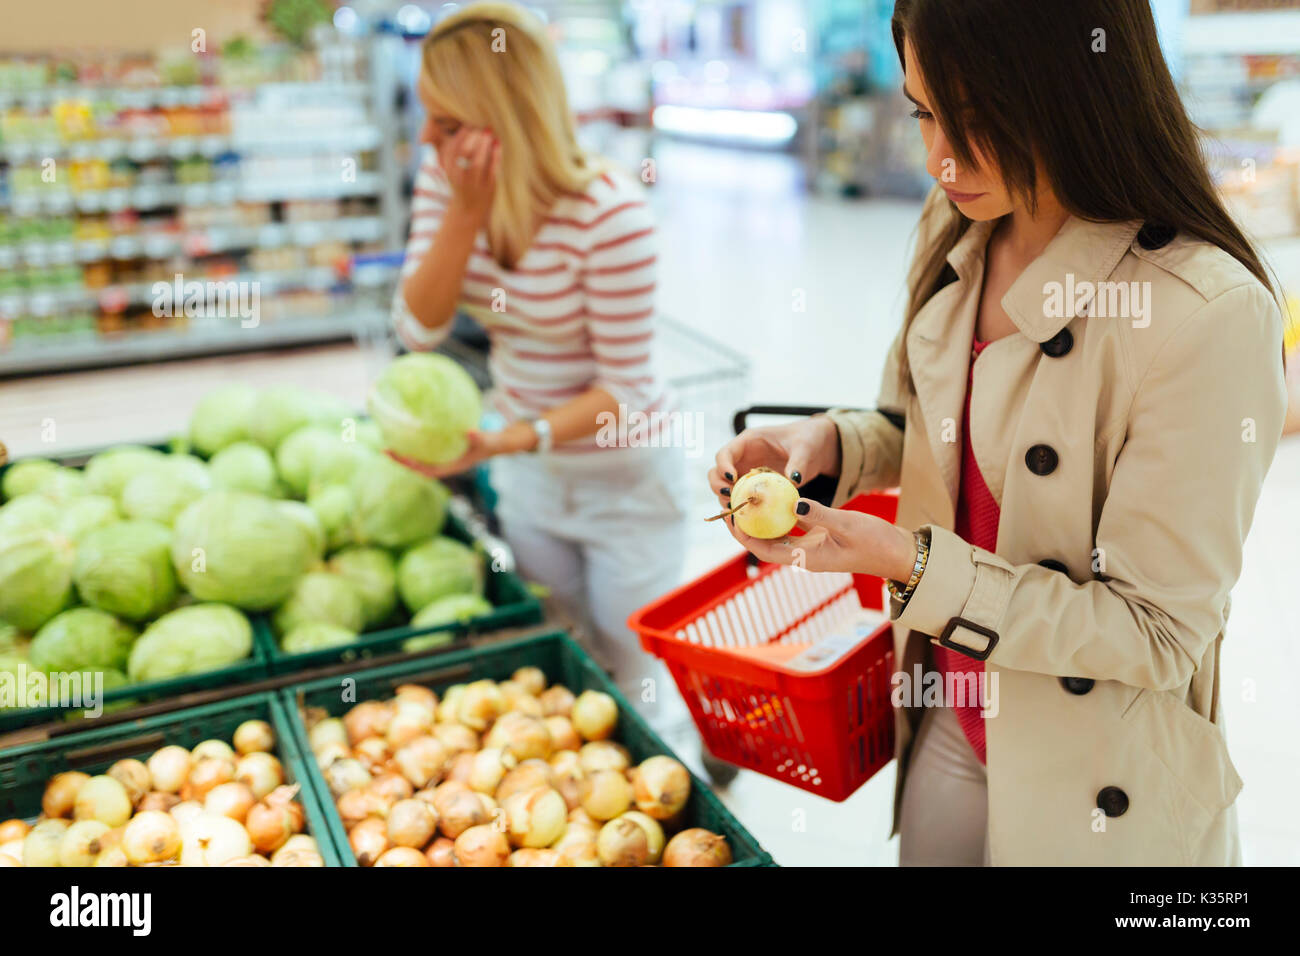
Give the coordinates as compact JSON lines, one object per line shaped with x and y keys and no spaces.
{"x":728,"y":476}
{"x":796,"y":477}
{"x":727,"y":492}
{"x":733,"y":520}
{"x":802,"y":508}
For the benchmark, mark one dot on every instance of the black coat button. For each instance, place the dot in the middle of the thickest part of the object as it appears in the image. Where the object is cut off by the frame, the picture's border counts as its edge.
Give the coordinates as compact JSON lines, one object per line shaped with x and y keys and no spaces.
{"x":1078,"y":685}
{"x":1042,"y":459}
{"x":1112,"y":801}
{"x":1059,"y":344}
{"x":1155,"y":236}
{"x":1053,"y":565}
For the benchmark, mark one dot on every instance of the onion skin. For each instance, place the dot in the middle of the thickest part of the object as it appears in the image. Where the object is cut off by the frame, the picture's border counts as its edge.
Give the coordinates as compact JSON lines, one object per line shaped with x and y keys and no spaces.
{"x":367,"y":719}
{"x":661,"y":787}
{"x":594,"y":715}
{"x":253,"y":736}
{"x":482,"y":845}
{"x":423,"y":761}
{"x":392,"y":787}
{"x":604,"y":755}
{"x":61,"y":793}
{"x":213,"y":748}
{"x":459,"y":810}
{"x":169,"y":768}
{"x":232,"y":800}
{"x":80,"y":843}
{"x":157,"y":800}
{"x":623,"y":843}
{"x":568,"y":777}
{"x":402,"y":856}
{"x":420,"y":694}
{"x":261,"y":772}
{"x":653,"y":831}
{"x":535,"y":818}
{"x":253,"y":860}
{"x":606,"y":795}
{"x":134,"y":776}
{"x":6,"y":860}
{"x":479,"y":704}
{"x":441,"y":852}
{"x":556,"y":701}
{"x":528,"y":775}
{"x":457,"y":738}
{"x":360,"y":804}
{"x":104,"y":799}
{"x":369,"y":841}
{"x":209,"y":773}
{"x":299,"y":858}
{"x":329,"y":731}
{"x":528,"y":856}
{"x":697,"y":847}
{"x":411,"y":823}
{"x":490,"y":766}
{"x":563,"y":736}
{"x":461,"y":767}
{"x":13,"y":830}
{"x":373,"y":753}
{"x":524,"y":737}
{"x":531,"y":678}
{"x":275,"y":820}
{"x":151,"y":837}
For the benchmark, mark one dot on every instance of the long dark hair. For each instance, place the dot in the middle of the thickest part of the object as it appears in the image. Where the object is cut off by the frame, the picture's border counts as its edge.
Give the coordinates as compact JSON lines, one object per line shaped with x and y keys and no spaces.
{"x":1080,"y":85}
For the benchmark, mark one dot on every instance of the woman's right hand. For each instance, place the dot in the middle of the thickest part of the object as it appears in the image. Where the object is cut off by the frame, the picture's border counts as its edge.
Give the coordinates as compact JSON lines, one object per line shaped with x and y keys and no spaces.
{"x":470,"y":160}
{"x":800,"y":450}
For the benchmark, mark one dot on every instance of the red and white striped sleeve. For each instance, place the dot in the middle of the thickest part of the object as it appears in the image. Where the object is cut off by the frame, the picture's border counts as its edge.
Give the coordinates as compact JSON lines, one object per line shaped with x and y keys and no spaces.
{"x":619,"y":292}
{"x":428,"y":204}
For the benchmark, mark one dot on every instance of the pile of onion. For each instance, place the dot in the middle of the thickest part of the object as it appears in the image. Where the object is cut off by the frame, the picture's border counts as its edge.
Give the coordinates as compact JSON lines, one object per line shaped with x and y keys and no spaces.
{"x":508,"y":773}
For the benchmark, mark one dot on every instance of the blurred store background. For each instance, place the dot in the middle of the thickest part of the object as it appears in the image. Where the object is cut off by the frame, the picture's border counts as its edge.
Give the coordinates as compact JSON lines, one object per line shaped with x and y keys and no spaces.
{"x":272,"y":141}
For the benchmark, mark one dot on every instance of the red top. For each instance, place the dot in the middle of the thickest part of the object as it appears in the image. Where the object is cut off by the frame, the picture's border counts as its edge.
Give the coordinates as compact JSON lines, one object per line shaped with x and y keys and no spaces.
{"x":977,"y":524}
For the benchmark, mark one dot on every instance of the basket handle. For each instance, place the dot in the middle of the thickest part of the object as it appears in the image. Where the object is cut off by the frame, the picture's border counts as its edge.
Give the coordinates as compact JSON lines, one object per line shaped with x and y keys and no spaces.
{"x":738,"y":421}
{"x":115,"y":750}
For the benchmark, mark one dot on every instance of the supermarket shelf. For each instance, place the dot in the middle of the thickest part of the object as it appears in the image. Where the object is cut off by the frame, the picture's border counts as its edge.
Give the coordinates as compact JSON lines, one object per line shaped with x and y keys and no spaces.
{"x":1264,"y":31}
{"x":71,"y":353}
{"x":128,"y":97}
{"x":181,"y":147}
{"x":143,"y":198}
{"x":200,"y":242}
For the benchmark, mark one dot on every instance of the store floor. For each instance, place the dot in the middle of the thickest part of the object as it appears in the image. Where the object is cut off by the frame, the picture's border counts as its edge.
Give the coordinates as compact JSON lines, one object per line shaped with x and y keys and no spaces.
{"x":809,"y":291}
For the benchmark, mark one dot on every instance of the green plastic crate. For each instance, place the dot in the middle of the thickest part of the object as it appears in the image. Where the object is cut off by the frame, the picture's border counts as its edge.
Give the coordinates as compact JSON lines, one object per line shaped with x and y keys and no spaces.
{"x":24,"y":770}
{"x":513,"y":605}
{"x":563,"y":662}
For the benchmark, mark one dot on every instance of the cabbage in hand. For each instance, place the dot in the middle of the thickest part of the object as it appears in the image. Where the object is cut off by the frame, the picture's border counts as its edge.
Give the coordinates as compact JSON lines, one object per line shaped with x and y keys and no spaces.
{"x":425,"y":404}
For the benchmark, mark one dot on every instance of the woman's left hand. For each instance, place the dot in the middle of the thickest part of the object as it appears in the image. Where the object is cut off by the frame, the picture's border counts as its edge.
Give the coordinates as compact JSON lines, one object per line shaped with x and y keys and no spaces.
{"x":482,"y":446}
{"x":837,"y":540}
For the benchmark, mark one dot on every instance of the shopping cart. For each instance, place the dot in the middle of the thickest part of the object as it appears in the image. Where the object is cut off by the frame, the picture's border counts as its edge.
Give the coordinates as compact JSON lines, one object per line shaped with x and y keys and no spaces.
{"x":780,"y":675}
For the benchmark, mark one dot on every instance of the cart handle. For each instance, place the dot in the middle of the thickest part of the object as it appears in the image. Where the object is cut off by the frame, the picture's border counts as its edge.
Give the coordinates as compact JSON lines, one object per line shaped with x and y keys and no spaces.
{"x":738,"y":420}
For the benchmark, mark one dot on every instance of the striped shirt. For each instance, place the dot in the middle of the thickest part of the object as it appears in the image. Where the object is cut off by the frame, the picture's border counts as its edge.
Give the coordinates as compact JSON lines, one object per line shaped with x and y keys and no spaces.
{"x":576,"y":312}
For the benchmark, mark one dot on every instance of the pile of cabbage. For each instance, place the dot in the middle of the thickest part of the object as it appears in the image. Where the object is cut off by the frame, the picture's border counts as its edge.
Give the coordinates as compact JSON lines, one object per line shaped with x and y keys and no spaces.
{"x":145,"y":564}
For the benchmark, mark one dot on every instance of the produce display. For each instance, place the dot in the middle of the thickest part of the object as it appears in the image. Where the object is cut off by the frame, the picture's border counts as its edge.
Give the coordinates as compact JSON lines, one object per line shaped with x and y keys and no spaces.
{"x":215,"y":805}
{"x":509,"y":773}
{"x":144,"y":564}
{"x":762,"y":504}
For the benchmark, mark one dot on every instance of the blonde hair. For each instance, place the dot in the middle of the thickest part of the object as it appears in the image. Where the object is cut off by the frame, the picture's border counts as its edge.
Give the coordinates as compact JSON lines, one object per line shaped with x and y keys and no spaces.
{"x":492,"y":65}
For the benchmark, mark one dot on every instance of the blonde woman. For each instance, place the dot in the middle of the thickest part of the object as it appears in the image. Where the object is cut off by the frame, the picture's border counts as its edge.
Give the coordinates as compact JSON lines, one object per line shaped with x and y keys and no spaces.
{"x":553,"y":254}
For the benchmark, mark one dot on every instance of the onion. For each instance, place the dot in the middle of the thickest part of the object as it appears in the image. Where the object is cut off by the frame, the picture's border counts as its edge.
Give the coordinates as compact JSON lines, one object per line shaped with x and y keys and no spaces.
{"x":232,"y":800}
{"x":298,"y":858}
{"x":253,"y":736}
{"x":151,"y":836}
{"x":213,"y":748}
{"x":41,"y":846}
{"x":483,"y":845}
{"x":332,"y":752}
{"x":526,"y":776}
{"x":563,"y":736}
{"x":536,"y":857}
{"x":411,"y":823}
{"x":402,"y":856}
{"x":594,"y":715}
{"x":532,"y":678}
{"x":450,"y":702}
{"x":373,"y":752}
{"x":7,"y":860}
{"x":581,"y":816}
{"x":360,"y":804}
{"x":253,"y":860}
{"x":697,"y":847}
{"x":535,"y":818}
{"x":13,"y":830}
{"x":369,"y":718}
{"x":441,"y":852}
{"x":209,"y":772}
{"x":422,"y":760}
{"x":13,"y":848}
{"x":272,"y":822}
{"x":369,"y":840}
{"x":604,"y":755}
{"x":211,"y":839}
{"x":556,"y":701}
{"x":391,"y":787}
{"x":261,"y":772}
{"x":61,"y":793}
{"x":661,"y":786}
{"x":653,"y":831}
{"x":623,"y":842}
{"x":134,"y":776}
{"x":457,"y":738}
{"x":480,"y":704}
{"x":299,"y":841}
{"x":524,"y":736}
{"x":169,"y":768}
{"x":418,"y":694}
{"x":490,"y":766}
{"x":410,"y":720}
{"x":328,"y":731}
{"x":458,"y":810}
{"x":345,"y":775}
{"x":606,"y":795}
{"x":80,"y":844}
{"x":461,"y":767}
{"x":186,"y":811}
{"x":113,"y":856}
{"x":104,"y":799}
{"x":157,"y":800}
{"x":568,"y":777}
{"x":578,"y":844}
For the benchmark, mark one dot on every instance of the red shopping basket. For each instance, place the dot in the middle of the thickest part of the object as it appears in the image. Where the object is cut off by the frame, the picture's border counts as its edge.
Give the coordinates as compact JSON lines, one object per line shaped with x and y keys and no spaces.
{"x":825,"y":730}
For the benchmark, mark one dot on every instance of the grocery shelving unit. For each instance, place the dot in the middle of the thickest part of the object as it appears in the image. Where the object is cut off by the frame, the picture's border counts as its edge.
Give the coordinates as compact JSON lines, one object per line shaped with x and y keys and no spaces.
{"x":234,"y":176}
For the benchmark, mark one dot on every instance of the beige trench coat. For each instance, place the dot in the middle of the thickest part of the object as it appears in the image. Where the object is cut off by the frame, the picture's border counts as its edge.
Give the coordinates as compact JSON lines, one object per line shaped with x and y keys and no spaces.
{"x":1127,"y":454}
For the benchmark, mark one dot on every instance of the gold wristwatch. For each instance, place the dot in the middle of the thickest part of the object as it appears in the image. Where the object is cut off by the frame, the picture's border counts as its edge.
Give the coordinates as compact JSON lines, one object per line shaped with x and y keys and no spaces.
{"x":900,"y":593}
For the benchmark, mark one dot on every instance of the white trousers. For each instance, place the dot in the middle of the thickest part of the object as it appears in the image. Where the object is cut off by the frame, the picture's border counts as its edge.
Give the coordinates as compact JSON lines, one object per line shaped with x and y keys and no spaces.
{"x":605,"y":532}
{"x":944,"y":819}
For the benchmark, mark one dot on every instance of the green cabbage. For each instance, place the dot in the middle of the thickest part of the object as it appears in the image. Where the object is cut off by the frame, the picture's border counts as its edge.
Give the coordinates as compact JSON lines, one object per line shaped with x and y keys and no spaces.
{"x":221,"y":418}
{"x":368,"y":434}
{"x":12,"y":670}
{"x":424,"y":404}
{"x":314,"y":635}
{"x":394,"y":506}
{"x":27,"y":513}
{"x":109,"y":471}
{"x":35,"y":576}
{"x":320,"y":596}
{"x":243,"y":466}
{"x":333,"y":506}
{"x":316,"y":455}
{"x":83,"y":638}
{"x":436,"y":569}
{"x":453,"y":609}
{"x":373,"y":573}
{"x":125,"y":568}
{"x":240,"y":549}
{"x":162,"y":492}
{"x":282,"y":410}
{"x":200,"y":637}
{"x":25,"y":476}
{"x":83,"y":515}
{"x":12,"y":641}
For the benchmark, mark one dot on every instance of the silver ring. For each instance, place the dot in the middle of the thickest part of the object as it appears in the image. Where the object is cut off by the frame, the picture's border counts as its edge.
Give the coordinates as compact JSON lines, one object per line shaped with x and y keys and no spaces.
{"x":462,"y":162}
